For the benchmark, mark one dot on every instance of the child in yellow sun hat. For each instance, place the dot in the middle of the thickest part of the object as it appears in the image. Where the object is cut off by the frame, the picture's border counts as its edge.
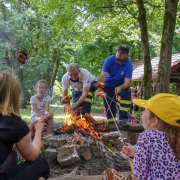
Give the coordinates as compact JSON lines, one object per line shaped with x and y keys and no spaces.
{"x":157,"y":153}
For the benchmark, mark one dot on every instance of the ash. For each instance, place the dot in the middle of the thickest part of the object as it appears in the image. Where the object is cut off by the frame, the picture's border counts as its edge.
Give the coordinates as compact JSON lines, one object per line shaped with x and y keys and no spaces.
{"x":81,"y":154}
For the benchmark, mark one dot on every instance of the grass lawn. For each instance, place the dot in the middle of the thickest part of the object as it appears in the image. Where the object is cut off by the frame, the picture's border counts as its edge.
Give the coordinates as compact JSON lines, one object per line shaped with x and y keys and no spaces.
{"x":58,"y":114}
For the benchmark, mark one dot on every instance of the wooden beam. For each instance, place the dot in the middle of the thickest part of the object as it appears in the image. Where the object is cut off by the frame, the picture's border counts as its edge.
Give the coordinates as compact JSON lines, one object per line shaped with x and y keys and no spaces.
{"x":134,"y":127}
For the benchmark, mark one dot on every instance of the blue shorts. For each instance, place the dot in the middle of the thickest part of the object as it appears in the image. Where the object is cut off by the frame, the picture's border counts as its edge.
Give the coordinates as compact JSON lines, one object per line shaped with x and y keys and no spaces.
{"x":33,"y":118}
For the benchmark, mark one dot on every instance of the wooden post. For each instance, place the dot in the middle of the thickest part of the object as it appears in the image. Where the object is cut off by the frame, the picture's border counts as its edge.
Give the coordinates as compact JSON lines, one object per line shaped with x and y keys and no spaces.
{"x":177,"y":87}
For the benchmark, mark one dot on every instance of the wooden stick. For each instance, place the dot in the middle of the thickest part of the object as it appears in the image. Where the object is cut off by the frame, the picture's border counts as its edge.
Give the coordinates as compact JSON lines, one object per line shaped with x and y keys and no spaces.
{"x":132,"y":166}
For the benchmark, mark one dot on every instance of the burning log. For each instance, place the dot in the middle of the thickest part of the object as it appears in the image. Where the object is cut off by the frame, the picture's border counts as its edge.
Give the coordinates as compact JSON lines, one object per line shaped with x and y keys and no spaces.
{"x":73,"y":116}
{"x":90,"y":119}
{"x":84,"y":124}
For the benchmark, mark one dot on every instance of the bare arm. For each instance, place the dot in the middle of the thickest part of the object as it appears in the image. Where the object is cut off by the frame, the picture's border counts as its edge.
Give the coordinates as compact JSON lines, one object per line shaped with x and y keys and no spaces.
{"x":127,"y":82}
{"x":103,"y":76}
{"x":82,"y":98}
{"x":47,"y":107}
{"x":102,"y":79}
{"x":47,"y":113}
{"x":133,"y":177}
{"x":36,"y":111}
{"x":28,"y":149}
{"x":65,"y":93}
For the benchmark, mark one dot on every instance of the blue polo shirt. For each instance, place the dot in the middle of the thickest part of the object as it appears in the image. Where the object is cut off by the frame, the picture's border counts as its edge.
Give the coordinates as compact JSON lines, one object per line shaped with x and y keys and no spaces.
{"x":117,"y":72}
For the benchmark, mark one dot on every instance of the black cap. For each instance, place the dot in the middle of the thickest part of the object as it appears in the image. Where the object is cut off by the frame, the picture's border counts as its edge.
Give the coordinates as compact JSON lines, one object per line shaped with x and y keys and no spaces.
{"x":123,"y":48}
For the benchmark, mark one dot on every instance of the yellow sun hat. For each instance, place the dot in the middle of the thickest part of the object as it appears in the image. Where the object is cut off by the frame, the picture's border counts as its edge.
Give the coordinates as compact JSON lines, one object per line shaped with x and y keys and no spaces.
{"x":132,"y":88}
{"x":165,"y":106}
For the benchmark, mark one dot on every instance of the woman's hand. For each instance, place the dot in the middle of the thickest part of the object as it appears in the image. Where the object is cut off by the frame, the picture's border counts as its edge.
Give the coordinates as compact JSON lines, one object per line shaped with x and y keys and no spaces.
{"x":39,"y":126}
{"x":31,"y":127}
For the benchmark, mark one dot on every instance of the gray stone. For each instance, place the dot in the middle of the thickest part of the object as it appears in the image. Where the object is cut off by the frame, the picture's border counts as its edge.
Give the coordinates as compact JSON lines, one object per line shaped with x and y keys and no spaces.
{"x":67,"y":155}
{"x":97,"y":151}
{"x":50,"y":152}
{"x":57,"y":142}
{"x":86,"y":154}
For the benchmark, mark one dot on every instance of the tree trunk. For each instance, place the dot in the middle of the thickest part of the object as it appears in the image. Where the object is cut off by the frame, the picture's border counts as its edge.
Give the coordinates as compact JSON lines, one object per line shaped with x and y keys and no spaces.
{"x":164,"y":69}
{"x":146,"y":83}
{"x":7,"y":59}
{"x":3,"y":8}
{"x":19,"y":73}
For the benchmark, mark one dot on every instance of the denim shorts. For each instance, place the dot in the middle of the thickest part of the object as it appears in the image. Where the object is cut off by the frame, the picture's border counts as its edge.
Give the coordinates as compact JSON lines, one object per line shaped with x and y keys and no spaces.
{"x":33,"y":118}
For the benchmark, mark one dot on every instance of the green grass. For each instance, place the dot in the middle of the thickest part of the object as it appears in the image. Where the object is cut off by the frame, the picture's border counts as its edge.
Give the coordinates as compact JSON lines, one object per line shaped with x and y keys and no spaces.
{"x":58,"y":113}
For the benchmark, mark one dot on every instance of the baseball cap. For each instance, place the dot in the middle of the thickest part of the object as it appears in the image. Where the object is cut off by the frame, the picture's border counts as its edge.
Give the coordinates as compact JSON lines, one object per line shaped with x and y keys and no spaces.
{"x":123,"y":48}
{"x":165,"y":106}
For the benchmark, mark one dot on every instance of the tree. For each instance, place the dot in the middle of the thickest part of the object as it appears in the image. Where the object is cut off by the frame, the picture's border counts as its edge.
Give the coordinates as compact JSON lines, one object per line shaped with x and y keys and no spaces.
{"x":164,"y":69}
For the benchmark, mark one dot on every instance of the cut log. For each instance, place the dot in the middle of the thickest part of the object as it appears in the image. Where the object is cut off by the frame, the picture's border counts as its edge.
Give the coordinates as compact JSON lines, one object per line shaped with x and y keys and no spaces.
{"x":134,"y":127}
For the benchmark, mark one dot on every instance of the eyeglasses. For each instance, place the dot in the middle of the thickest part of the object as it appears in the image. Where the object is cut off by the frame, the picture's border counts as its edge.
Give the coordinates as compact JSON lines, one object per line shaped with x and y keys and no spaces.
{"x":73,"y":74}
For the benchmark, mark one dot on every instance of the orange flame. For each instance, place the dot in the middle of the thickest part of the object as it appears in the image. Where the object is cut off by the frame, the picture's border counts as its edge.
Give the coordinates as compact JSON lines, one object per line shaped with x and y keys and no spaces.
{"x":84,"y":123}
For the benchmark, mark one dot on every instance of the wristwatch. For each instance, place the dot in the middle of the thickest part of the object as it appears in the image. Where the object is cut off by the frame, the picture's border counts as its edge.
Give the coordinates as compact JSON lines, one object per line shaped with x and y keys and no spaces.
{"x":77,"y":103}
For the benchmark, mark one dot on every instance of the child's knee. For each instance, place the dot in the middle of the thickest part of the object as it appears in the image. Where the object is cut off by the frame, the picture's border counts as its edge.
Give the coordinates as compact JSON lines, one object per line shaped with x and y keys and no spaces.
{"x":38,"y":118}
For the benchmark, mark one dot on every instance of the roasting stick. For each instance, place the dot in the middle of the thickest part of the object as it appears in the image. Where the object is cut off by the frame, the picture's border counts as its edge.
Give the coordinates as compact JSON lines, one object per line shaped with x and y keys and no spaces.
{"x":113,"y":118}
{"x":101,"y":85}
{"x":50,"y":113}
{"x":130,"y":160}
{"x":123,"y":108}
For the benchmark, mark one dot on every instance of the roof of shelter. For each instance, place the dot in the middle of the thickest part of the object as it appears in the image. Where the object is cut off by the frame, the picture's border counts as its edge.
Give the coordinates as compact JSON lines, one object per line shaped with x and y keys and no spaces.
{"x":138,"y":68}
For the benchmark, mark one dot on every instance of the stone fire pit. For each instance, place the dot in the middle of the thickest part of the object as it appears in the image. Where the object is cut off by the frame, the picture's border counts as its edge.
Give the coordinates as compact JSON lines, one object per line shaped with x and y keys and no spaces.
{"x":81,"y":154}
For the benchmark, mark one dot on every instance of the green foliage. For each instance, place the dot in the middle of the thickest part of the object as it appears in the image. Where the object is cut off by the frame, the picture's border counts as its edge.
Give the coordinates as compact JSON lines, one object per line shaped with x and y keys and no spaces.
{"x":85,"y":32}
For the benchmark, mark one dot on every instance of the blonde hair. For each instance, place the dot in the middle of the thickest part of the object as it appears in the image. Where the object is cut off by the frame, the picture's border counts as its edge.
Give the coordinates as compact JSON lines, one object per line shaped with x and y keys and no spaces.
{"x":172,"y":132}
{"x":40,"y":81}
{"x":10,"y":92}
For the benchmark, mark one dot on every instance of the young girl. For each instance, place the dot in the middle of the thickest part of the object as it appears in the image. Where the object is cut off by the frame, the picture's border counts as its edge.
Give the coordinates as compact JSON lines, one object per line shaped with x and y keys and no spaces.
{"x":157,"y":153}
{"x":40,"y":106}
{"x":14,"y":130}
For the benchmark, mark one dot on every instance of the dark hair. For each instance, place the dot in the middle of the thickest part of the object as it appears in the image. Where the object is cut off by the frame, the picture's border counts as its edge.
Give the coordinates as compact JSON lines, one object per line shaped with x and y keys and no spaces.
{"x":172,"y":132}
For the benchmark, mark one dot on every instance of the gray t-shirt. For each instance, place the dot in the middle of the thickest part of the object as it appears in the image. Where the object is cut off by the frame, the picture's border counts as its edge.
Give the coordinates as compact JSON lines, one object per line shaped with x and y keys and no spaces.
{"x":85,"y":79}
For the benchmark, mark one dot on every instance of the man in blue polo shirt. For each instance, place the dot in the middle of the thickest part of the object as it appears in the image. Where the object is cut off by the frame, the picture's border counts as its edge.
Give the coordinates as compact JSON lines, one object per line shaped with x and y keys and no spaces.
{"x":116,"y":74}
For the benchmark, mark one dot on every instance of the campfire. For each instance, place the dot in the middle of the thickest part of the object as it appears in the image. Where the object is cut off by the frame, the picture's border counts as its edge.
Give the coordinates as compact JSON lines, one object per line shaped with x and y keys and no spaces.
{"x":82,"y":150}
{"x":85,"y":124}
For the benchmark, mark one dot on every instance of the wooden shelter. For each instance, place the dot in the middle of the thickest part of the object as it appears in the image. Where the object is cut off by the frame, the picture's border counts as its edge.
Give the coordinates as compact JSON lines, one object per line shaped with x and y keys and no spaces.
{"x":138,"y":70}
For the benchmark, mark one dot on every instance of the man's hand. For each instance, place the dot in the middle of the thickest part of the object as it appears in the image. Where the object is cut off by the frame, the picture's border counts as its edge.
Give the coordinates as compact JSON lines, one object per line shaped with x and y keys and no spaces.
{"x":74,"y":105}
{"x":117,"y":90}
{"x":96,"y":94}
